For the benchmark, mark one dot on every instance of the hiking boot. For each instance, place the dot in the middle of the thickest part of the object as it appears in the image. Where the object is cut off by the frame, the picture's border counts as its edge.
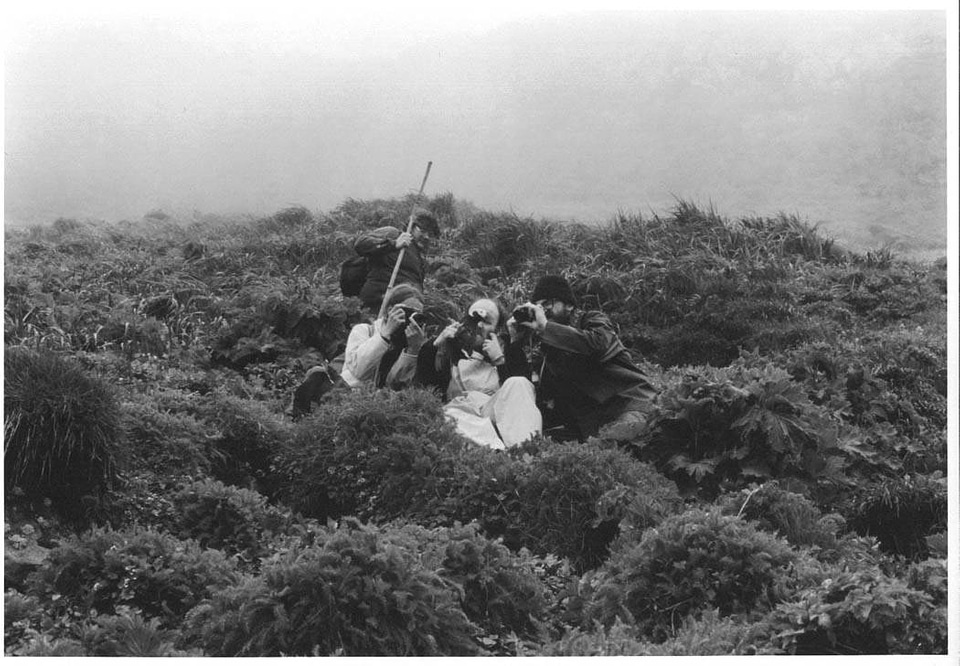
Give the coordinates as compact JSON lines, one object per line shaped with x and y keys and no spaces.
{"x":314,"y":386}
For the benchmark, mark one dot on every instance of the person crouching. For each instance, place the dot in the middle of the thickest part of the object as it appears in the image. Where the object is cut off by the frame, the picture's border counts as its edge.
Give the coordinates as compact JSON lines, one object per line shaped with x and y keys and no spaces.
{"x":579,"y":363}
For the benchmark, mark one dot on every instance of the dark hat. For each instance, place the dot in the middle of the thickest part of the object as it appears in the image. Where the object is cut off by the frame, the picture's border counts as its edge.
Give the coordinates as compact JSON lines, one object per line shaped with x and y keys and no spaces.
{"x":553,"y":288}
{"x":424,"y":219}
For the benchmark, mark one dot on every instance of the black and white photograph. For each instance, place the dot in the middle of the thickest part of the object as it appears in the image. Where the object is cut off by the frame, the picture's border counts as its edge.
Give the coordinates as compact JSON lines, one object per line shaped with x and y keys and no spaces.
{"x":356,"y":330}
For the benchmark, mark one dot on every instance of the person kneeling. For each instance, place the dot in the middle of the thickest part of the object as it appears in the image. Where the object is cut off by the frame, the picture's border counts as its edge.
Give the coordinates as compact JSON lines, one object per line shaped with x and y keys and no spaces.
{"x":489,"y":404}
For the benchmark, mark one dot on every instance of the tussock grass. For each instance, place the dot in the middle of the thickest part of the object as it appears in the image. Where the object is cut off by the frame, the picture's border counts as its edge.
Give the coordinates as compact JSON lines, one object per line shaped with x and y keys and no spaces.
{"x":60,"y":429}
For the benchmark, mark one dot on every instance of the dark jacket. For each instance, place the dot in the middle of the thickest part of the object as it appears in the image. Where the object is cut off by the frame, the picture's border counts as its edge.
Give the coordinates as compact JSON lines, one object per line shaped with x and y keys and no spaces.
{"x":586,"y":372}
{"x":378,"y":246}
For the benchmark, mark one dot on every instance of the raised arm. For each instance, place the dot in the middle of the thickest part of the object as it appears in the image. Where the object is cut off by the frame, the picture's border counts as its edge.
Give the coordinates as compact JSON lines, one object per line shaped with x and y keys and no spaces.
{"x":382,"y":240}
{"x":596,"y":338}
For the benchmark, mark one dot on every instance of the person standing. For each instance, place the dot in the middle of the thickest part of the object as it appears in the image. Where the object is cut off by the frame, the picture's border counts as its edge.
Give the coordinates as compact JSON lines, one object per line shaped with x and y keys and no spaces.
{"x":382,"y":246}
{"x":584,"y":373}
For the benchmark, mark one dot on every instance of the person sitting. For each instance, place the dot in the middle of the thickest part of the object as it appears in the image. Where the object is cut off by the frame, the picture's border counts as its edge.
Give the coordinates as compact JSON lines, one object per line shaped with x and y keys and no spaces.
{"x":384,"y":353}
{"x":382,"y":246}
{"x":582,"y":369}
{"x":467,"y":364}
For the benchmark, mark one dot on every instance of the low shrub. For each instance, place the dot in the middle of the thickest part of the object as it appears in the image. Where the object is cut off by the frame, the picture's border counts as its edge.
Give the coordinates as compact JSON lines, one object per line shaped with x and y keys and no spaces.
{"x":355,"y":591}
{"x":323,"y":323}
{"x":483,"y":486}
{"x":235,"y":520}
{"x":930,"y":576}
{"x":572,"y":498}
{"x":887,"y":293}
{"x":375,"y":454}
{"x":719,"y":428}
{"x":39,"y":645}
{"x":249,"y":436}
{"x":128,"y":634}
{"x":60,"y":430}
{"x":706,"y":635}
{"x":150,"y":571}
{"x":710,"y":634}
{"x":860,"y":612}
{"x":501,"y":591}
{"x":401,"y":459}
{"x":125,"y":634}
{"x":788,"y":514}
{"x":688,"y":563}
{"x":509,"y":595}
{"x":141,"y":498}
{"x":21,"y":616}
{"x":160,"y":439}
{"x":619,"y":640}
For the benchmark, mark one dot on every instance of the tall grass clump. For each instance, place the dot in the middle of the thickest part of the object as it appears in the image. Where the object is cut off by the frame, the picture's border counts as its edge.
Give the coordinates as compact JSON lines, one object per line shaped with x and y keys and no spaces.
{"x":507,"y":241}
{"x":60,"y":429}
{"x":901,"y":513}
{"x":357,"y":214}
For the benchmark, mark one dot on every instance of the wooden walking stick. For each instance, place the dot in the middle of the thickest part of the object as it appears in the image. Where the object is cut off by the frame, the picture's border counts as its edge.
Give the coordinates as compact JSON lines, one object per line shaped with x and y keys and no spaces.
{"x":396,"y":267}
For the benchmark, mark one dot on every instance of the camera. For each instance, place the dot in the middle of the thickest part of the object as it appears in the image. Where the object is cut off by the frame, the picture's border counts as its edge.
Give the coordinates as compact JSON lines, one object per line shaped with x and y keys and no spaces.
{"x":475,"y":318}
{"x":524,"y":313}
{"x":412,"y":314}
{"x":469,"y":337}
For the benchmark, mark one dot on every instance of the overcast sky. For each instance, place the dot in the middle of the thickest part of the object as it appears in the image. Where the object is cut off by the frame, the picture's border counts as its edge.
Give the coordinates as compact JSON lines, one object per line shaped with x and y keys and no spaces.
{"x":544,"y":109}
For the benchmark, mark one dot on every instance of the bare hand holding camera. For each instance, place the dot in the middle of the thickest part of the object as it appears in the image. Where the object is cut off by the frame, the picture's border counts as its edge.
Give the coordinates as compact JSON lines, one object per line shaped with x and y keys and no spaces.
{"x":531,"y":316}
{"x":415,"y":335}
{"x":395,"y":321}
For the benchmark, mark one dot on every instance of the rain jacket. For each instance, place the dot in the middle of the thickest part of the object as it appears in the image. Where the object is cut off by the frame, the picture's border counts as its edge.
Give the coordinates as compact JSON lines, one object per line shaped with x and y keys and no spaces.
{"x":585,"y":372}
{"x":378,"y":246}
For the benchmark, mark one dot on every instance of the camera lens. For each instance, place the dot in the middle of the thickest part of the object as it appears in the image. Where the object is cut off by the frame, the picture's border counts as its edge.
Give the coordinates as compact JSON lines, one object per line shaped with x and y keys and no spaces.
{"x":523,"y":313}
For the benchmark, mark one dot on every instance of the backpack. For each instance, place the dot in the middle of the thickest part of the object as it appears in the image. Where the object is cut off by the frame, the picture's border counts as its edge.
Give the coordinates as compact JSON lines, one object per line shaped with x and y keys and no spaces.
{"x":353,"y":274}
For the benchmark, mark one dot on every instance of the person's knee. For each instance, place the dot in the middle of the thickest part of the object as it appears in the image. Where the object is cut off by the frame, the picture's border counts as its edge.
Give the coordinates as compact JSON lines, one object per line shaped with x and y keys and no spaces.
{"x":518,"y":384}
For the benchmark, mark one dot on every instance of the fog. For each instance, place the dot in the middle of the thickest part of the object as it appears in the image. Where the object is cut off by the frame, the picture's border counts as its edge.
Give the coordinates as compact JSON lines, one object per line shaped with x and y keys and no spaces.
{"x":837,"y":116}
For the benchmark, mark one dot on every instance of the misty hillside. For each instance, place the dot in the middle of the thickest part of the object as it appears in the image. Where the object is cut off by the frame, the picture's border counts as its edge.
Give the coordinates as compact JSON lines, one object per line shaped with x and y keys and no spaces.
{"x":163,"y":499}
{"x":840,"y":116}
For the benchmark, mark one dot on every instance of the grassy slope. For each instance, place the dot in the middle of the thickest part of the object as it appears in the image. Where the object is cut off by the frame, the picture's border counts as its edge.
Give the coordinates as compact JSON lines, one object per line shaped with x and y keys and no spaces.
{"x":170,"y":311}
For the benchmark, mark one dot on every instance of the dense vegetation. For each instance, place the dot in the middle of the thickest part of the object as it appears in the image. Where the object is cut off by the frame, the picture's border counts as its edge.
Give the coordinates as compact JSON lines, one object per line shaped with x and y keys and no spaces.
{"x":787,"y":495}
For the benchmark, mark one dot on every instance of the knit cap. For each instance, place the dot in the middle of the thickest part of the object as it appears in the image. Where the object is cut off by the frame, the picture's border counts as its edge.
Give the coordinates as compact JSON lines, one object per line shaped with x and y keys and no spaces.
{"x":553,"y":288}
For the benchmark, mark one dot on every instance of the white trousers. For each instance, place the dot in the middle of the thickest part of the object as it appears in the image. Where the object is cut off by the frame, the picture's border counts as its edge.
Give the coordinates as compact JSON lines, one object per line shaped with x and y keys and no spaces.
{"x":512,"y":409}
